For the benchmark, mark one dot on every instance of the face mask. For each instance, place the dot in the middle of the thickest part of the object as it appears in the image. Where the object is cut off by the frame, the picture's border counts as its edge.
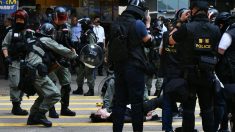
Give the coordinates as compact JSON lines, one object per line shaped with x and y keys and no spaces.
{"x":19,"y":26}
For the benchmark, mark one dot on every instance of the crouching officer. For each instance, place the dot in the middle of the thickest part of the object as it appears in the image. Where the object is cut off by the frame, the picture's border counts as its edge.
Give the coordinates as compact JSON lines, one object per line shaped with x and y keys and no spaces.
{"x":13,"y":50}
{"x":199,"y":39}
{"x":41,"y":56}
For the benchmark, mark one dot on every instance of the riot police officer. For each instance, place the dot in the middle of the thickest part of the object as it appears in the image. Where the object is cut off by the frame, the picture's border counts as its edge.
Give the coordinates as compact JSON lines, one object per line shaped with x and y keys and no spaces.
{"x":87,"y":37}
{"x":42,"y":57}
{"x":171,"y":70}
{"x":13,"y":50}
{"x":63,"y":74}
{"x":199,"y":39}
{"x":224,"y":69}
{"x":130,"y":70}
{"x":227,"y":49}
{"x":212,"y":14}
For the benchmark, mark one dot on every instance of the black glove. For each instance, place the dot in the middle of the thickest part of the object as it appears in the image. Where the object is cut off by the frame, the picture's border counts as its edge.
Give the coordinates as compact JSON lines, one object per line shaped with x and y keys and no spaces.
{"x":8,"y":60}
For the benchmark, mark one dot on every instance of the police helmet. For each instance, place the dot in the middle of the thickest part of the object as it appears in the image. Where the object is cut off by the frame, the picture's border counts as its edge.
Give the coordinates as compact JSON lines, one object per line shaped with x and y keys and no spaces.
{"x":91,"y":55}
{"x":212,"y":13}
{"x":138,"y":3}
{"x":157,"y":25}
{"x":60,"y":13}
{"x":21,"y":14}
{"x":85,"y":23}
{"x":47,"y":29}
{"x":223,"y":18}
{"x":200,"y":4}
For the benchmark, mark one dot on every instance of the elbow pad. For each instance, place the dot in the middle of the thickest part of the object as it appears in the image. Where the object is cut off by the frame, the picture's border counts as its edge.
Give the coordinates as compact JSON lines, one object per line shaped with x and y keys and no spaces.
{"x":150,"y":43}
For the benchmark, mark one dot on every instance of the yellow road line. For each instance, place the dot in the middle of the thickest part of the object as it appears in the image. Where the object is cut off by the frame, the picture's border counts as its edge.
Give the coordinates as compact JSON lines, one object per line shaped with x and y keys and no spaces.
{"x":71,"y":103}
{"x":62,"y":117}
{"x":71,"y":97}
{"x":88,"y":124}
{"x":98,"y":100}
{"x":77,"y":109}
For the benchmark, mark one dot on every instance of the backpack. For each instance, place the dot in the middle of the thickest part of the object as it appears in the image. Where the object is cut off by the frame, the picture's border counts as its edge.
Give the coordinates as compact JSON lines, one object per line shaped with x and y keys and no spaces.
{"x":118,"y":45}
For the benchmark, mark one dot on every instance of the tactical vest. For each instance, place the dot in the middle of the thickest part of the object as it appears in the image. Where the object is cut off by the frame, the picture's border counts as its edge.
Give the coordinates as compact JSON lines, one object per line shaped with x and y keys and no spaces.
{"x":49,"y":58}
{"x":17,"y":47}
{"x":228,"y":72}
{"x":230,"y":52}
{"x":62,"y":35}
{"x":202,"y":39}
{"x":170,"y":60}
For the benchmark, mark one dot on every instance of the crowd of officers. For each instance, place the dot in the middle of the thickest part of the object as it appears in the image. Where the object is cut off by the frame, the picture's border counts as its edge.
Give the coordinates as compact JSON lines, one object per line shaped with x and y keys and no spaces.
{"x":196,"y":62}
{"x":39,"y":54}
{"x":193,"y":52}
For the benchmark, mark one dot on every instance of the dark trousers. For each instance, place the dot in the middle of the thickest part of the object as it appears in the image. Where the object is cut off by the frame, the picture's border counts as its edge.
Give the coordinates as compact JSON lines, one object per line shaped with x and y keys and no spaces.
{"x":233,"y":116}
{"x":129,"y":88}
{"x":219,"y":109}
{"x":100,"y":68}
{"x":199,"y":84}
{"x":167,"y":113}
{"x":169,"y":107}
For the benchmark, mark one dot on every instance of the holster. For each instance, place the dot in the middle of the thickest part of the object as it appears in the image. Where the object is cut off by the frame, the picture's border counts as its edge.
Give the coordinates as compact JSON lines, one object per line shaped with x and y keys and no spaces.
{"x":42,"y":70}
{"x":27,"y":78}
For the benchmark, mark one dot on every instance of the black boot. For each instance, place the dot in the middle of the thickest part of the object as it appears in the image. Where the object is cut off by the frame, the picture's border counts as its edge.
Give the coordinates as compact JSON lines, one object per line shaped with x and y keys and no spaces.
{"x":149,"y":92}
{"x":65,"y":111}
{"x":89,"y":93}
{"x":180,"y":129}
{"x":40,"y":118}
{"x":52,"y":113}
{"x":79,"y":91}
{"x":65,"y":90}
{"x":31,"y":120}
{"x":17,"y":110}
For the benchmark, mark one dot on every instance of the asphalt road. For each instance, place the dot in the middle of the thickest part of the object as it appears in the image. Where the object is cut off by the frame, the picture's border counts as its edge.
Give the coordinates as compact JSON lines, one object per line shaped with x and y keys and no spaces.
{"x":83,"y":106}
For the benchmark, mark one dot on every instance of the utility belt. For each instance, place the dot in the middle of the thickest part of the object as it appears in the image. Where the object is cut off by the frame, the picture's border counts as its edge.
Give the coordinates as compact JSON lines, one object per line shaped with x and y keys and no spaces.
{"x":207,"y":63}
{"x":31,"y":70}
{"x":28,"y":74}
{"x":17,"y":57}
